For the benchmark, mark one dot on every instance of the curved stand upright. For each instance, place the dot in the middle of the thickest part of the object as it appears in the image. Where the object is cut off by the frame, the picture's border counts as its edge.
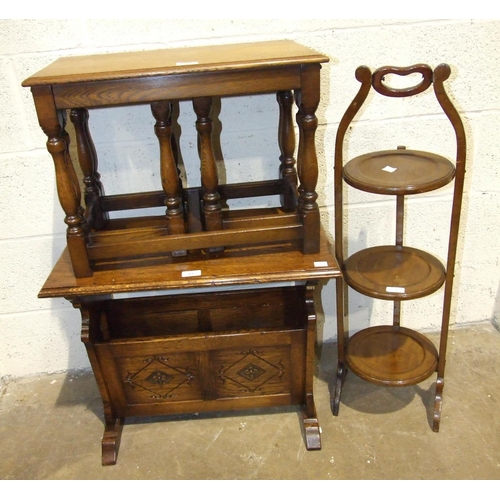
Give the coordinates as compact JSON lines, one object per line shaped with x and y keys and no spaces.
{"x":393,"y":355}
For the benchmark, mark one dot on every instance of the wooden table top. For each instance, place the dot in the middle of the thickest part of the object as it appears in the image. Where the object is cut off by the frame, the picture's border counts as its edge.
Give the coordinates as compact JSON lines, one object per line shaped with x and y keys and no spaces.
{"x":237,"y":266}
{"x":161,"y":62}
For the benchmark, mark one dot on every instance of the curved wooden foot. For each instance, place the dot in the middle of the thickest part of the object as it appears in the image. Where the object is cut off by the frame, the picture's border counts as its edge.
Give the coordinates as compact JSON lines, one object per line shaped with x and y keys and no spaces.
{"x":111,"y":441}
{"x":339,"y":383}
{"x":438,"y":404}
{"x":312,"y":432}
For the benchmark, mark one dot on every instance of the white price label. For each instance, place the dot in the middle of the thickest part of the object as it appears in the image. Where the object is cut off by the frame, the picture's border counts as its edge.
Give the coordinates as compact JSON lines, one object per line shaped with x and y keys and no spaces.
{"x":321,"y":263}
{"x":389,"y":169}
{"x":189,"y":274}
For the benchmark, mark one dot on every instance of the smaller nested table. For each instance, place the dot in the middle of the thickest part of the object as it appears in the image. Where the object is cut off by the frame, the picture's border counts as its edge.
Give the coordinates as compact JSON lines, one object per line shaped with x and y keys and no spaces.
{"x":208,"y":349}
{"x":194,"y":218}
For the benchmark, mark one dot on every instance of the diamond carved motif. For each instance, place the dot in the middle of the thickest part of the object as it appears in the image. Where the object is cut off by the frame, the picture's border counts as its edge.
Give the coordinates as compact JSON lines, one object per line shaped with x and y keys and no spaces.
{"x":251,"y":372}
{"x":159,"y":378}
{"x":162,"y":382}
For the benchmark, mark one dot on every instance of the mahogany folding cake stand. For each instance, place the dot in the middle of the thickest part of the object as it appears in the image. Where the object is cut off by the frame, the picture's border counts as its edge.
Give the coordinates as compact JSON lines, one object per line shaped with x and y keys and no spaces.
{"x":394,"y":355}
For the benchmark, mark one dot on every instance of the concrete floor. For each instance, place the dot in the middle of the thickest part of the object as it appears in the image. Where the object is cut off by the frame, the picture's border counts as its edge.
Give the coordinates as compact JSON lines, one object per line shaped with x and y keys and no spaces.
{"x":51,"y":427}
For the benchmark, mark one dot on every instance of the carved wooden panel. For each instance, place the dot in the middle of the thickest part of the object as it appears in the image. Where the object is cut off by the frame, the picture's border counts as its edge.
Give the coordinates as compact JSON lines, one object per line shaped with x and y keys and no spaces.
{"x":171,"y":354}
{"x":160,"y":373}
{"x":253,"y":371}
{"x":156,"y":378}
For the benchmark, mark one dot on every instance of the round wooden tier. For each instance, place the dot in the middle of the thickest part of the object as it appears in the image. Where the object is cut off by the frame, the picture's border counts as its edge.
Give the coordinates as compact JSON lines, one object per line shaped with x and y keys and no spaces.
{"x":400,"y":171}
{"x":394,"y":273}
{"x":391,"y":356}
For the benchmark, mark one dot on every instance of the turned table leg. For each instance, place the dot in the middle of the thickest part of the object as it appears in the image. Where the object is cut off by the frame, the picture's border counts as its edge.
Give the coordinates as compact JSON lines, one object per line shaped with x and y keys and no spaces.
{"x":209,"y":176}
{"x":87,"y":158}
{"x":170,"y":179}
{"x":286,"y":141}
{"x":68,"y":189}
{"x":307,"y":161}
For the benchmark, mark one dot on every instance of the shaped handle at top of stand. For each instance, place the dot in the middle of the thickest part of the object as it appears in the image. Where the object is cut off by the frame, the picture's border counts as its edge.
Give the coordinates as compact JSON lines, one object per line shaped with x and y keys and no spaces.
{"x":380,"y":86}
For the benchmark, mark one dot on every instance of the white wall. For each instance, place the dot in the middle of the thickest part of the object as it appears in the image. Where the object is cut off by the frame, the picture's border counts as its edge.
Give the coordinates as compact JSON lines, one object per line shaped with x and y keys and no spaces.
{"x":43,"y":335}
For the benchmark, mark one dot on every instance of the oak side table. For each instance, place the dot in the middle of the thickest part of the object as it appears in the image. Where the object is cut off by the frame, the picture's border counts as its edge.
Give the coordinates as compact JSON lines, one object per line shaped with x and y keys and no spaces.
{"x":209,"y":348}
{"x":194,"y":218}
